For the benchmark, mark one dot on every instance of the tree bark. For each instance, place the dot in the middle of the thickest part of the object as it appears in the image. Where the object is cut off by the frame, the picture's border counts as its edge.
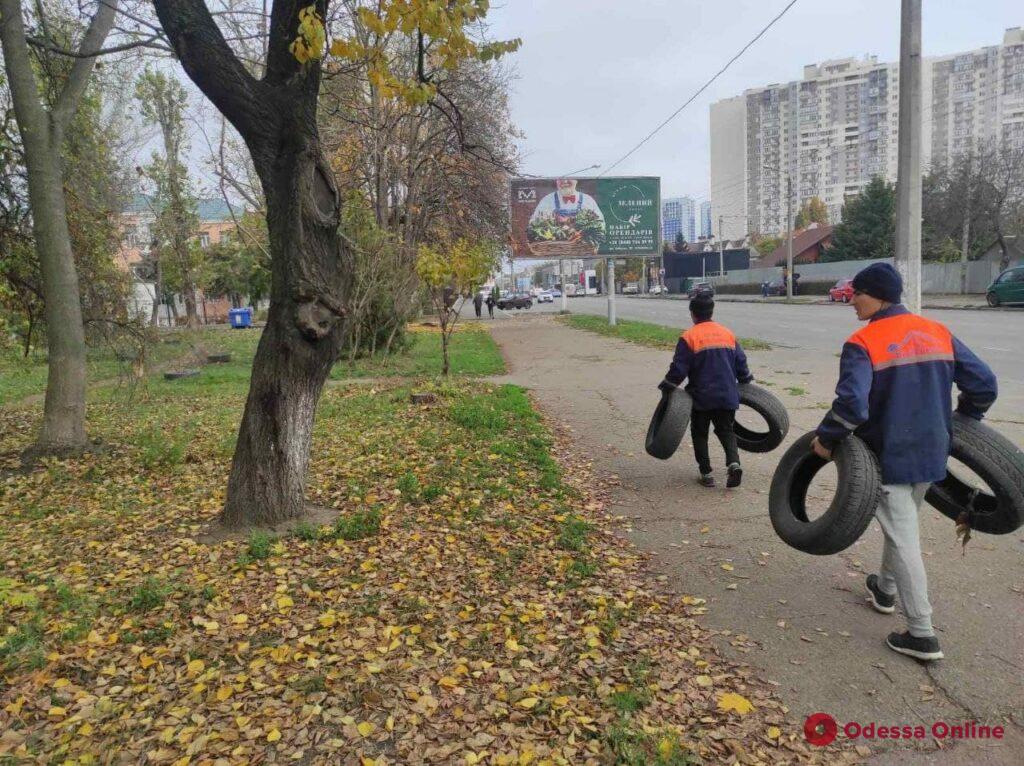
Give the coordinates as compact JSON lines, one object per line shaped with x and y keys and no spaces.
{"x":276,"y":116}
{"x":42,"y":130}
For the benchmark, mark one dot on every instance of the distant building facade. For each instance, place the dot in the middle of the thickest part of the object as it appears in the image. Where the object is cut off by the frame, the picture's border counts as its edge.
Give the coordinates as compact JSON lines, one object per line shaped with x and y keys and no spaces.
{"x":705,"y":221}
{"x":677,"y":216}
{"x":837,"y":128}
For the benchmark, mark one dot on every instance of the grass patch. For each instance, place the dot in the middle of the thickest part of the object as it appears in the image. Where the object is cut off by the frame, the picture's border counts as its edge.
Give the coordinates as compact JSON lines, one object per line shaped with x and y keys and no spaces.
{"x":645,"y":333}
{"x":572,"y":534}
{"x":150,"y":594}
{"x":796,"y":390}
{"x":472,"y":351}
{"x":358,"y":525}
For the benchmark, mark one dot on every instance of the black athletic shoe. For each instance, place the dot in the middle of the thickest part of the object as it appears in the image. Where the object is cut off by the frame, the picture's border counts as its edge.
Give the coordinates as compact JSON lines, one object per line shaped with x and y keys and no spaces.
{"x":707,"y":480}
{"x":879,"y":599}
{"x":926,"y":649}
{"x":735,"y":476}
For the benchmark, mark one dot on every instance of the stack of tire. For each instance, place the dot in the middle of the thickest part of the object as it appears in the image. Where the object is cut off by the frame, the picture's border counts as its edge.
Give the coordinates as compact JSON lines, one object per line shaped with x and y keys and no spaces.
{"x":672,"y":416}
{"x":997,"y":510}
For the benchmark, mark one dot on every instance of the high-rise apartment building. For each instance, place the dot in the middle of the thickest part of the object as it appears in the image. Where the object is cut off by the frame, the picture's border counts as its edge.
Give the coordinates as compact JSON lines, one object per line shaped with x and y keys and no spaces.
{"x":705,"y":219}
{"x":837,"y":128}
{"x":677,"y":215}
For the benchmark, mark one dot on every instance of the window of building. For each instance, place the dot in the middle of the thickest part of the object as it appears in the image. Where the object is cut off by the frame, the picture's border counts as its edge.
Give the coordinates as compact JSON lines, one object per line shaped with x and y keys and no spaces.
{"x":204,"y":239}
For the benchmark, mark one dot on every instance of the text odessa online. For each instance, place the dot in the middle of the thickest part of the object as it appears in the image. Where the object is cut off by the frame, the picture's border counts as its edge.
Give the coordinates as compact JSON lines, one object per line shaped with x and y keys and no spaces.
{"x":939,"y":730}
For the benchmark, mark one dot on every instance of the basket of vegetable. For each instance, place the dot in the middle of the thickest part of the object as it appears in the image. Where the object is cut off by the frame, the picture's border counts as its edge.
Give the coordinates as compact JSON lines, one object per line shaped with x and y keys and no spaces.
{"x":576,"y":237}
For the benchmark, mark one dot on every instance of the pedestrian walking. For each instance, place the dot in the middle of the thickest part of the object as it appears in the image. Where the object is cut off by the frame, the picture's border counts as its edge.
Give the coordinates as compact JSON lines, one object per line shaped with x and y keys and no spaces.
{"x":764,"y":289}
{"x":490,"y":304}
{"x":895,"y":392}
{"x":478,"y":301}
{"x":710,"y":357}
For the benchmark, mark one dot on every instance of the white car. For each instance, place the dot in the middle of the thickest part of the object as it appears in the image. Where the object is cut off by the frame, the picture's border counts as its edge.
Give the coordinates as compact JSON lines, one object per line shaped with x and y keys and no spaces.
{"x":657,"y":290}
{"x":545,"y":296}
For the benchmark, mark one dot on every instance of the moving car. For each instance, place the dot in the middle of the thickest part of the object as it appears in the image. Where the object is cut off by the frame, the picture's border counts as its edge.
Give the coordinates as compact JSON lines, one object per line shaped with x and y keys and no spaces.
{"x":545,"y":296}
{"x":701,"y":288}
{"x":1008,"y":287}
{"x":841,"y":291}
{"x":517,"y":301}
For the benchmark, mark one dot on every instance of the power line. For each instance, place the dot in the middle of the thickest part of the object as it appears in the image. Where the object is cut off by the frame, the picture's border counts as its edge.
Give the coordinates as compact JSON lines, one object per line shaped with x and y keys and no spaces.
{"x":702,"y":88}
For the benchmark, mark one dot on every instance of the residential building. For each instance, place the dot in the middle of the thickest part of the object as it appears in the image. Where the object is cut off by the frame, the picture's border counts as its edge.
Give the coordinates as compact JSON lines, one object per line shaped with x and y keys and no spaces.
{"x":677,"y":215}
{"x":808,"y":245}
{"x":705,"y":221}
{"x":216,"y":224}
{"x":834,"y":130}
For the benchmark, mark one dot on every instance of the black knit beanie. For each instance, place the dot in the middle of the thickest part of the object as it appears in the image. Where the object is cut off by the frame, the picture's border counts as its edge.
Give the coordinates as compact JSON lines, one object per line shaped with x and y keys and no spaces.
{"x":880,"y":280}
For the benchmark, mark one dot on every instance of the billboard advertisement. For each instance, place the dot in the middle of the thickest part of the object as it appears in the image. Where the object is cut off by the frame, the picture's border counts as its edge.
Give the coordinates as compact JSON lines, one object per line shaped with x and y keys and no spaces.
{"x":585,"y":217}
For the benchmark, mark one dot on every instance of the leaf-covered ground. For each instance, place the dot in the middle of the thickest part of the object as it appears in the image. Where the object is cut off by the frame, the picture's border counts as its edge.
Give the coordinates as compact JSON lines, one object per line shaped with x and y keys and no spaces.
{"x":471,"y":603}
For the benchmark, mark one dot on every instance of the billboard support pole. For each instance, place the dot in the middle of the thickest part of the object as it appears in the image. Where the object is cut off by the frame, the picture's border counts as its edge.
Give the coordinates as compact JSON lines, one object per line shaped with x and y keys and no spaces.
{"x":610,"y":272}
{"x":561,"y":281}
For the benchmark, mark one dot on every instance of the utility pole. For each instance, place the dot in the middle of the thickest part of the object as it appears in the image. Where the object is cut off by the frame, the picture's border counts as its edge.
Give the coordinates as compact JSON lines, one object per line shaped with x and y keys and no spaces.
{"x":908,"y":178}
{"x":610,"y":274}
{"x":561,"y":284}
{"x":789,"y":244}
{"x":721,"y":248}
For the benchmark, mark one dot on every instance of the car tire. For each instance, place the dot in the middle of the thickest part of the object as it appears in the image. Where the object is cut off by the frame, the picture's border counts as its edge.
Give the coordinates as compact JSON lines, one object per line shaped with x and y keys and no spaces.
{"x":999,"y":463}
{"x":668,"y":424}
{"x":992,"y":299}
{"x":769,"y":407}
{"x":846,"y":299}
{"x":859,"y":489}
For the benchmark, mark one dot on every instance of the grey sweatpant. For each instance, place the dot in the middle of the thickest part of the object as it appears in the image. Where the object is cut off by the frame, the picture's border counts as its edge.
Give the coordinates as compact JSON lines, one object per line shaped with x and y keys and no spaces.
{"x":902,"y":569}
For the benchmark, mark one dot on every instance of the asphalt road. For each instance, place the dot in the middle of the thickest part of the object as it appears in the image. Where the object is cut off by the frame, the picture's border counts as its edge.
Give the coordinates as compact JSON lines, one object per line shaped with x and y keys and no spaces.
{"x":996,"y":336}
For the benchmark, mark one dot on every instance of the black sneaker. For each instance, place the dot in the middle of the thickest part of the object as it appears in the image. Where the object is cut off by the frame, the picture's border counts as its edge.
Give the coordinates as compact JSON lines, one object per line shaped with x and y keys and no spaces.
{"x":926,"y":648}
{"x":707,"y":480}
{"x":735,"y":476}
{"x":879,"y":599}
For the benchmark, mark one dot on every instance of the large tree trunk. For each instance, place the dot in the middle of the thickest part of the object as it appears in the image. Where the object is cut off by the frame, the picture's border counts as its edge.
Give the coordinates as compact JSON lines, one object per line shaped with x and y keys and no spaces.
{"x":303,"y":336}
{"x":64,"y":408}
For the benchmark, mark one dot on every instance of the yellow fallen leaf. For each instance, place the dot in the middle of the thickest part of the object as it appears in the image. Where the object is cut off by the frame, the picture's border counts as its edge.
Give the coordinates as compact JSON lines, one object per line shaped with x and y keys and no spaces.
{"x":60,"y":683}
{"x":240,"y":619}
{"x":57,"y":712}
{"x":733,"y":701}
{"x":448,"y":682}
{"x":704,"y":681}
{"x":728,"y":567}
{"x":285,"y":602}
{"x":145,"y":660}
{"x":774,"y":732}
{"x":195,"y":667}
{"x":85,"y":729}
{"x":224,"y":692}
{"x":365,"y":728}
{"x":273,"y":735}
{"x":528,"y":702}
{"x":512,"y":645}
{"x":327,"y":620}
{"x":666,"y":747}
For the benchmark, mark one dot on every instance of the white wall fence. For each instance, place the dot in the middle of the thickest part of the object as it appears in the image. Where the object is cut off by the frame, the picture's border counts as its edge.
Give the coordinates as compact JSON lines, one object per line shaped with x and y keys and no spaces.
{"x":936,"y":278}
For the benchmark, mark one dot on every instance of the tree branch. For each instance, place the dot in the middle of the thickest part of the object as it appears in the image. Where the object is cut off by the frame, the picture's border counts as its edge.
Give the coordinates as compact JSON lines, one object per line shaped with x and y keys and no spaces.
{"x":71,"y":94}
{"x":52,"y":47}
{"x":210,"y":63}
{"x":282,"y":66}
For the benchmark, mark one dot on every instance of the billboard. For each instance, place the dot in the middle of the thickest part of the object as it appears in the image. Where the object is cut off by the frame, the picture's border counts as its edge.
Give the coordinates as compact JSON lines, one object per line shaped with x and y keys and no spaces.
{"x":585,"y":217}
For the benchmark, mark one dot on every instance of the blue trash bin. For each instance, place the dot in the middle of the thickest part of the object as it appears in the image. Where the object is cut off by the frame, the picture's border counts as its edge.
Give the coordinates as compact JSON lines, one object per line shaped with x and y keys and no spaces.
{"x":240,"y":318}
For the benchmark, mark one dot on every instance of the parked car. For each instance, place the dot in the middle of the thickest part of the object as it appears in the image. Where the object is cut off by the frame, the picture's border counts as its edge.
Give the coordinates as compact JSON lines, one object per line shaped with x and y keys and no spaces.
{"x":545,"y":296}
{"x":517,"y":301}
{"x":657,"y":289}
{"x":841,"y":291}
{"x":555,"y":292}
{"x":1008,"y":287}
{"x":777,"y":286}
{"x":631,"y":288}
{"x":701,"y":288}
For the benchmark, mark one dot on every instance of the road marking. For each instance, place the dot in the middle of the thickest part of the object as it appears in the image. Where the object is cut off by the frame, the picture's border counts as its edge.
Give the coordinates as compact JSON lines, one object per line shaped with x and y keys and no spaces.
{"x":994,"y":348}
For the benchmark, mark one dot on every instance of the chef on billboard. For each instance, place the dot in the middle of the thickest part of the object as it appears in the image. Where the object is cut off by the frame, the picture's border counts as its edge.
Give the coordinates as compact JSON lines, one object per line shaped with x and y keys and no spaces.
{"x":565,"y":203}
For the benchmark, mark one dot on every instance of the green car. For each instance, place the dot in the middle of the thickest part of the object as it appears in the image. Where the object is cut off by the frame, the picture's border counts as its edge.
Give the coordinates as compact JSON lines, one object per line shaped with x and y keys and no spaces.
{"x":1008,"y":287}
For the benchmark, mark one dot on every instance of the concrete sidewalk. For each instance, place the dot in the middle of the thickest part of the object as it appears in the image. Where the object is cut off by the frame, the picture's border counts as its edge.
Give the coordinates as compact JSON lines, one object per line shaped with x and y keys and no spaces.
{"x":802,"y":619}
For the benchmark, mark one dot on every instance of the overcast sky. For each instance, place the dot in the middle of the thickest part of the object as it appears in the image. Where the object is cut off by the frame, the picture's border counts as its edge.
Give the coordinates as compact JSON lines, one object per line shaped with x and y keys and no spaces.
{"x":595,"y":76}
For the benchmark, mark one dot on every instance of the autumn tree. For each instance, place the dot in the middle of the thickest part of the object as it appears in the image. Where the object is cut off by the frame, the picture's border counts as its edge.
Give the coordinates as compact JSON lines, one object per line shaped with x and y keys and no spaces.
{"x":275,"y":112}
{"x":449,"y":271}
{"x":163,"y":103}
{"x":812,"y":211}
{"x":42,"y":123}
